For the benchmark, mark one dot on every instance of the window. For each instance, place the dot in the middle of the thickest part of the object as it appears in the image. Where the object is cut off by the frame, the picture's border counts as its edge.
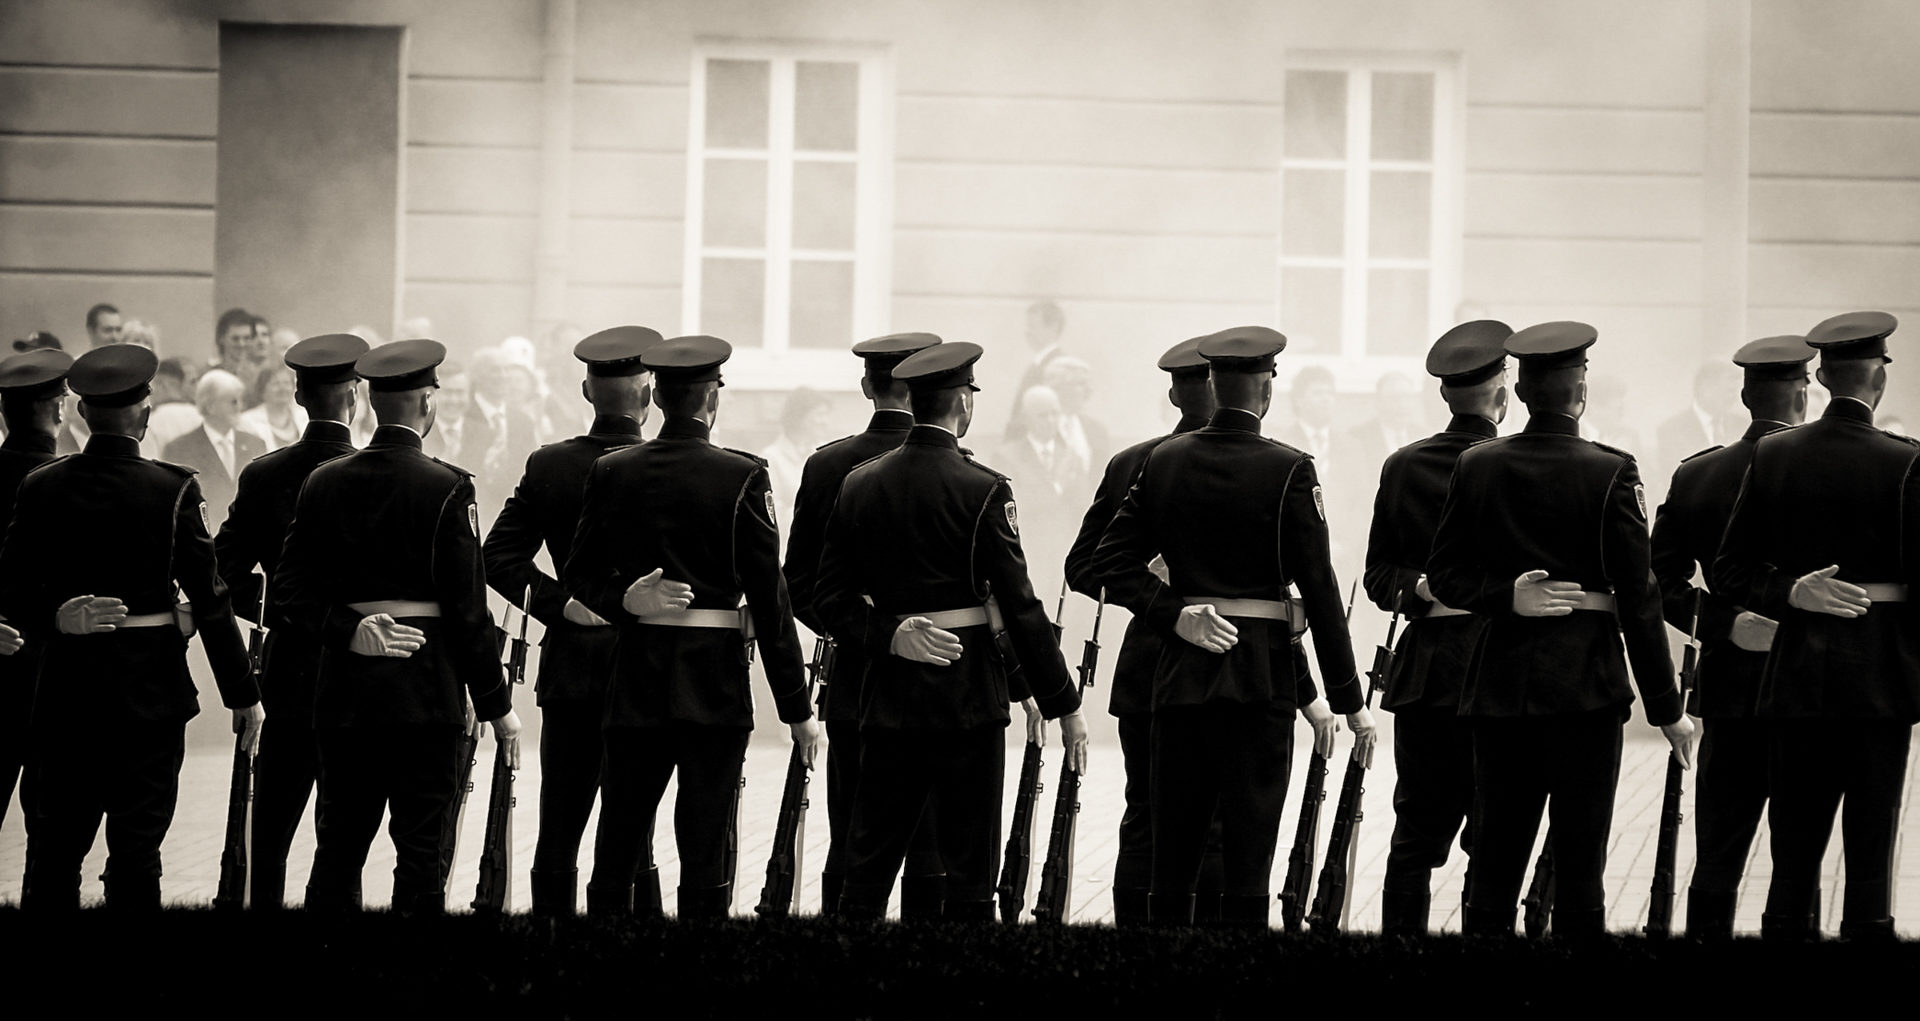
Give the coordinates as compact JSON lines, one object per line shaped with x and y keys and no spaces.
{"x":787,"y":208}
{"x":1370,"y":193}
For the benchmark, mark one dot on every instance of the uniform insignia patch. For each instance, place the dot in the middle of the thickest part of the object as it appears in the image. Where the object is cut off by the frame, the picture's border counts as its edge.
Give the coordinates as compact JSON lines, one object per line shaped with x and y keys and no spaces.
{"x":770,"y":515}
{"x":1013,"y":519}
{"x":1320,"y":503}
{"x":204,"y":522}
{"x":1640,"y":498}
{"x":473,"y":519}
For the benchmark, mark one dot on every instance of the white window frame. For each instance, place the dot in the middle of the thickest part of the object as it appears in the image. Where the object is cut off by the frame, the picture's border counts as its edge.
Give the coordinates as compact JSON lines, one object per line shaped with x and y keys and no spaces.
{"x":775,"y":365}
{"x":1354,"y":368}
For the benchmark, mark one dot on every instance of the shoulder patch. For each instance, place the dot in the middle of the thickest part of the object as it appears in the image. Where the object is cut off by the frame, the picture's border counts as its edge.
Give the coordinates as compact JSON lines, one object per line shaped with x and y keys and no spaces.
{"x":1013,"y":519}
{"x":205,"y":521}
{"x":1640,"y":499}
{"x":770,"y":514}
{"x":1702,"y":453}
{"x":473,"y":518}
{"x":1320,"y":503}
{"x":449,"y":464}
{"x":755,"y":458}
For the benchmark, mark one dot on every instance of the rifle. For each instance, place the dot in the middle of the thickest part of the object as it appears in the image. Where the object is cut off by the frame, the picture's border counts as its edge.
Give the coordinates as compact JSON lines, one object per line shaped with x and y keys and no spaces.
{"x":1016,"y":866}
{"x":231,"y":895}
{"x":1660,"y":907}
{"x":789,"y":830}
{"x":494,"y":894}
{"x":1056,"y":874}
{"x":1539,"y":899}
{"x":730,"y":858}
{"x":1330,"y":904}
{"x":457,"y":812}
{"x":1293,"y":892}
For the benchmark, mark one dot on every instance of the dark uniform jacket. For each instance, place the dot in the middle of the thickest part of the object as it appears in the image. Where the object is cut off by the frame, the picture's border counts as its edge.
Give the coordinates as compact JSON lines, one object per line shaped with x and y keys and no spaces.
{"x":254,"y":532}
{"x":1833,"y":491}
{"x":1548,"y":500}
{"x":146,"y":534}
{"x":921,"y":530}
{"x":1431,"y":661}
{"x":1236,"y":516}
{"x":1140,"y":649}
{"x":389,"y":522}
{"x":576,"y":661}
{"x":21,"y":453}
{"x":1687,"y":531}
{"x":807,"y":533}
{"x":704,"y":514}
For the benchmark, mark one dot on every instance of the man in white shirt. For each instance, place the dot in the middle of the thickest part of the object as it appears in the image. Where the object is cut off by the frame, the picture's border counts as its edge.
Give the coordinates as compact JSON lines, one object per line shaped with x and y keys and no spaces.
{"x":217,"y":450}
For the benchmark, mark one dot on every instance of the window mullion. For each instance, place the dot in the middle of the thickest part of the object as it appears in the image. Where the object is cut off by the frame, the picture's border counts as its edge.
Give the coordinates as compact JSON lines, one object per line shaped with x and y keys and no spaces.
{"x":779,"y":316}
{"x":1353,"y":341}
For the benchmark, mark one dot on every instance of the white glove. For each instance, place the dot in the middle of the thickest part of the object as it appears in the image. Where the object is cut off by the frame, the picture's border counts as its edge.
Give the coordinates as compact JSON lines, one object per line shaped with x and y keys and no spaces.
{"x":1203,"y":626}
{"x":916,"y":639}
{"x":652,"y":594}
{"x":1821,"y":592}
{"x":381,"y":635}
{"x":1753,"y":632}
{"x":90,"y":615}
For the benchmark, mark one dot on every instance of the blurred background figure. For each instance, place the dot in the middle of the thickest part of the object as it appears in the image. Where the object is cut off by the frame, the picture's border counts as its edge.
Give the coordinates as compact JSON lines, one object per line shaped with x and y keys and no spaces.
{"x":560,"y":377}
{"x":1606,"y":418}
{"x":1715,"y":417}
{"x":103,"y":325}
{"x":497,"y":434}
{"x":1087,"y":443}
{"x":144,"y":334}
{"x":219,"y":448}
{"x":239,"y":350}
{"x":1045,"y":323}
{"x":1396,"y":420}
{"x":283,"y":339}
{"x":277,"y":420}
{"x":1047,"y":481}
{"x":804,"y":425}
{"x":361,"y":428}
{"x":1311,"y":398}
{"x":174,"y":414}
{"x":450,"y":413}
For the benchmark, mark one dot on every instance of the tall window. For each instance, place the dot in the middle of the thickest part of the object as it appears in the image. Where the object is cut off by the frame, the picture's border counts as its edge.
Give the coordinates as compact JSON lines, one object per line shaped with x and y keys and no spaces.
{"x":786,"y":239}
{"x":1369,"y":231}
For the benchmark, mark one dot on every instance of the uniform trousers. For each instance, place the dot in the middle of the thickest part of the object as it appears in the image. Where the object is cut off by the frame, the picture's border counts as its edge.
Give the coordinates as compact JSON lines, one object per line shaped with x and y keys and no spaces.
{"x":571,"y":757}
{"x":127,"y":771}
{"x":410,"y":772}
{"x":1228,"y":759}
{"x":901,"y":772}
{"x":1133,"y":863}
{"x":1729,"y":796}
{"x":1812,"y":765}
{"x":639,"y":762}
{"x":843,"y":785}
{"x":1432,"y":796}
{"x":285,"y":768}
{"x":1568,"y":764}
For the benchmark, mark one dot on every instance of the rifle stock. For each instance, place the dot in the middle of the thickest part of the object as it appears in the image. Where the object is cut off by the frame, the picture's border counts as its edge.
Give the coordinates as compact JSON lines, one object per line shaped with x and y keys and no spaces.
{"x":231,"y":895}
{"x":494,"y":894}
{"x":1017,"y":863}
{"x":789,"y":836}
{"x":1056,"y":873}
{"x":1293,"y":893}
{"x":1538,"y":903}
{"x":1330,"y":903}
{"x":1660,"y":904}
{"x":457,"y":812}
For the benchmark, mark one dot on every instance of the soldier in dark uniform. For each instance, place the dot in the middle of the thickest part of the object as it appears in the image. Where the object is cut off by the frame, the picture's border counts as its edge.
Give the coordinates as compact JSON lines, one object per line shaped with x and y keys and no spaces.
{"x":1238,"y":518}
{"x":1544,"y":534}
{"x":31,"y":388}
{"x":673,"y":535}
{"x":922,"y":571}
{"x":1825,"y":539}
{"x":256,"y":527}
{"x":923,"y":888}
{"x":1432,"y":743}
{"x":381,"y":573}
{"x":576,"y":657}
{"x":1131,"y":701}
{"x":1731,"y":791}
{"x":114,"y":694}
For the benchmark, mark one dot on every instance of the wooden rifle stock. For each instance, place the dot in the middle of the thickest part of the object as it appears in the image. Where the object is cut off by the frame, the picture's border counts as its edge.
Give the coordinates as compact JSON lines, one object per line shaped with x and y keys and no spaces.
{"x":457,"y":812}
{"x":1056,"y":873}
{"x":1660,"y":905}
{"x":789,"y":836}
{"x":1330,"y":903}
{"x":231,"y":894}
{"x":1293,"y":893}
{"x":1017,"y":863}
{"x":494,"y":894}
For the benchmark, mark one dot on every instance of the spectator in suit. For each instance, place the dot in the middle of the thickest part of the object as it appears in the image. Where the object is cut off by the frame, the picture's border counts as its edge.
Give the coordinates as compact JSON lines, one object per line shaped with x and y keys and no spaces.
{"x":277,"y":420}
{"x":1606,"y":418}
{"x":1045,"y":321}
{"x":498,"y":434}
{"x":1087,"y":444}
{"x":1311,"y":398}
{"x":173,"y":412}
{"x":450,"y":420}
{"x":803,"y":426}
{"x":103,"y":325}
{"x":219,"y":448}
{"x":1395,"y":422}
{"x":1045,"y":473}
{"x":1715,"y":417}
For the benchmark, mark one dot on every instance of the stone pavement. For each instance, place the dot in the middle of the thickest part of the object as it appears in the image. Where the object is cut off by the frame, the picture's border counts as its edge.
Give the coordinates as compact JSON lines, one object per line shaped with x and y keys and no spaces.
{"x":192,"y":850}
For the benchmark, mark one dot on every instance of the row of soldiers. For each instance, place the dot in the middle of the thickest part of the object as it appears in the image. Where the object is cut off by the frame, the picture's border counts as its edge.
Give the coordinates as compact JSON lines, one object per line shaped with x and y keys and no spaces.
{"x":1521,"y":562}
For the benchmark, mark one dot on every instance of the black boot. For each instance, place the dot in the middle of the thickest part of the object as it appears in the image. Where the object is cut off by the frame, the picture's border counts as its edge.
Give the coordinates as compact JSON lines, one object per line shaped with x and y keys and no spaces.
{"x":1873,"y":930}
{"x":649,"y":904}
{"x":1244,"y":911}
{"x":975,"y":912}
{"x":1490,"y":922}
{"x":47,"y":893}
{"x":705,"y":903}
{"x":1207,"y":906}
{"x":418,"y":902}
{"x":1586,"y":925}
{"x":1710,"y":915}
{"x":830,"y":894}
{"x":268,"y":887}
{"x":1404,"y":912}
{"x":1129,"y":907}
{"x":132,"y":893}
{"x":554,"y":892}
{"x":921,"y":898}
{"x":1169,"y":909}
{"x":609,"y":900}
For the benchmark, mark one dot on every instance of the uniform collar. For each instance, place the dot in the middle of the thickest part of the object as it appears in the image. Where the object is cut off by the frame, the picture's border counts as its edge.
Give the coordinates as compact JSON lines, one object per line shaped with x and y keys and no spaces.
{"x":1553,"y":423}
{"x":933,"y":436}
{"x":321,"y":430}
{"x":685,"y":429}
{"x":1237,"y":419}
{"x":113,"y":445}
{"x":1479,"y":425}
{"x":1853,"y":409}
{"x":1189,"y":423}
{"x":28,"y":441}
{"x":395,"y":436}
{"x":893,"y":420}
{"x":615,"y":425}
{"x":1762,"y":426}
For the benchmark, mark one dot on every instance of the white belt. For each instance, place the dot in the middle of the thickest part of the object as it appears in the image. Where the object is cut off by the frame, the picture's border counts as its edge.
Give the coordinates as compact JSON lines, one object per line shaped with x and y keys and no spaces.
{"x":970,"y":616}
{"x":1289,"y":610}
{"x":725,"y":620}
{"x":1886,"y":591}
{"x":148,"y":620}
{"x":396,"y":608}
{"x":1602,"y":601}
